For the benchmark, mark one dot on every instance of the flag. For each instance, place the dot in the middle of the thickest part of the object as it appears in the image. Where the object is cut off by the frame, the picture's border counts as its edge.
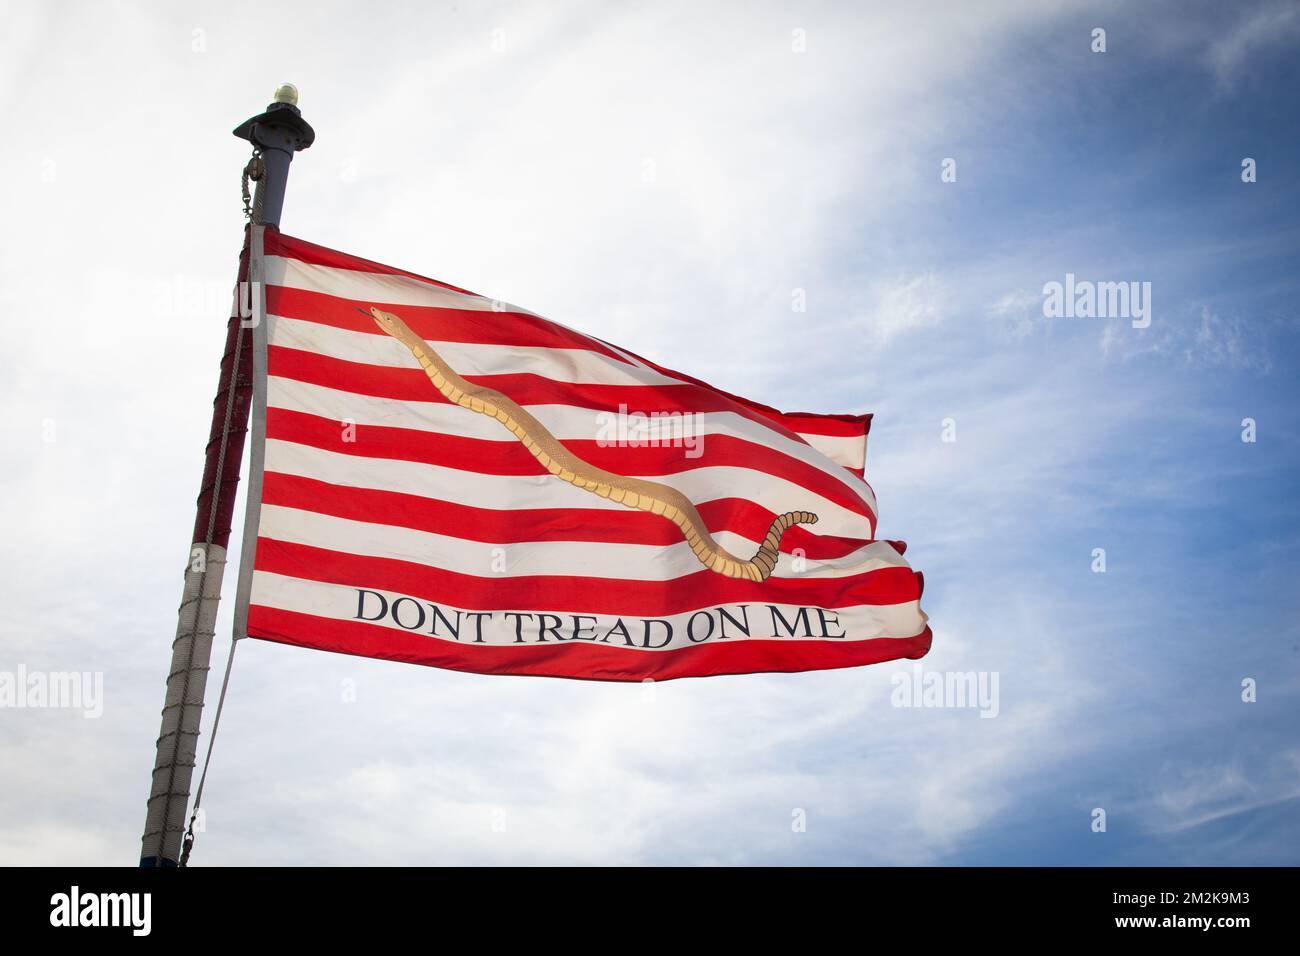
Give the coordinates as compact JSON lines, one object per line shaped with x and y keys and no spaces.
{"x":448,"y":480}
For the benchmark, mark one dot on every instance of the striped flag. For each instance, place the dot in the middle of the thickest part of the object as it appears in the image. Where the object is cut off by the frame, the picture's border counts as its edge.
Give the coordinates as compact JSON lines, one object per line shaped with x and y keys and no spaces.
{"x":443,"y":479}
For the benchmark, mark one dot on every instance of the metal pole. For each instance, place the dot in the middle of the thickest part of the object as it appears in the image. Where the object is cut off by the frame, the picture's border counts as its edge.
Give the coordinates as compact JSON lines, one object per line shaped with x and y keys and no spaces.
{"x":277,"y":133}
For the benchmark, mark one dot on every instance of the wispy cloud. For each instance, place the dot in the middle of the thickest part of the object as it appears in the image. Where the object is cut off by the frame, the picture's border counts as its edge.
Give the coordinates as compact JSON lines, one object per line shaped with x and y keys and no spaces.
{"x":1194,"y":796}
{"x":1258,"y":32}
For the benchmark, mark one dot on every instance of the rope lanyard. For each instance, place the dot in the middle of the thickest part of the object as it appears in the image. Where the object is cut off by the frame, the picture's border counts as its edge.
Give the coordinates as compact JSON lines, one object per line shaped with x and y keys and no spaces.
{"x":207,"y":759}
{"x":254,"y":171}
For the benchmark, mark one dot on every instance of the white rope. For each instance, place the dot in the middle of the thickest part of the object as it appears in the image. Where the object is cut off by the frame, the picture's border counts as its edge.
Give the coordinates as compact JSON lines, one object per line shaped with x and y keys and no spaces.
{"x":215,"y":502}
{"x":207,"y":759}
{"x":253,"y":275}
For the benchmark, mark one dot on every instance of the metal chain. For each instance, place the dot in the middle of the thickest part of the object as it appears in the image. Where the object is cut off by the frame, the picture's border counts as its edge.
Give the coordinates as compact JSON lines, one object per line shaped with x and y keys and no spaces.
{"x":254,"y":171}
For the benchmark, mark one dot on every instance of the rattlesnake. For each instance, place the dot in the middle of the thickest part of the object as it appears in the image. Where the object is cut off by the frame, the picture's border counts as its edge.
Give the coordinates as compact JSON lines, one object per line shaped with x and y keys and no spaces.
{"x":636,"y":493}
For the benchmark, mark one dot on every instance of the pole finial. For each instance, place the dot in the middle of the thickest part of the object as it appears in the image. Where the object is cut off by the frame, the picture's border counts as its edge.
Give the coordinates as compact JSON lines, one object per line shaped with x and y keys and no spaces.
{"x":286,"y":93}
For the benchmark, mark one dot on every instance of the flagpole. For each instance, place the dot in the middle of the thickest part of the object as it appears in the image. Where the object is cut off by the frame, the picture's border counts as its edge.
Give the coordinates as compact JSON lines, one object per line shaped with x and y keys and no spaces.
{"x":276,"y":134}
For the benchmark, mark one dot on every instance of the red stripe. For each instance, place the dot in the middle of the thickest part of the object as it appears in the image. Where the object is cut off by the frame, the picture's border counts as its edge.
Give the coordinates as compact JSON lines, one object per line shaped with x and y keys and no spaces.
{"x":278,"y":244}
{"x":434,"y":323}
{"x":813,"y":423}
{"x":831,"y":426}
{"x":575,"y":594}
{"x":412,"y":385}
{"x":502,"y":526}
{"x":582,"y":661}
{"x":509,"y":457}
{"x":525,"y":331}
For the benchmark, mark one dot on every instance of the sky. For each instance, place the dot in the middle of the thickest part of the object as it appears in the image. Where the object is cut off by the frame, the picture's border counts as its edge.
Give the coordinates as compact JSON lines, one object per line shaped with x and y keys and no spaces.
{"x":666,"y":176}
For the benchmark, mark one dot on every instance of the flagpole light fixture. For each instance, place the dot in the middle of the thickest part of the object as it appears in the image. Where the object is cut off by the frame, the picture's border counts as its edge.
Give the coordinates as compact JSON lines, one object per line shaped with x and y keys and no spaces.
{"x":277,"y":133}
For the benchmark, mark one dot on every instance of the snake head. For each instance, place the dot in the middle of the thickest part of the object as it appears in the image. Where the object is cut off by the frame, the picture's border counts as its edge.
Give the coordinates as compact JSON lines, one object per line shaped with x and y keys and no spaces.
{"x":394,"y":326}
{"x":386,"y":320}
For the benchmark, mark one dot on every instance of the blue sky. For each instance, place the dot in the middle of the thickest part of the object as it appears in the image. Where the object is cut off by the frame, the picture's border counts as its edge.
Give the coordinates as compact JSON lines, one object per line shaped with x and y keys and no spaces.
{"x":664,"y":178}
{"x":1128,"y":164}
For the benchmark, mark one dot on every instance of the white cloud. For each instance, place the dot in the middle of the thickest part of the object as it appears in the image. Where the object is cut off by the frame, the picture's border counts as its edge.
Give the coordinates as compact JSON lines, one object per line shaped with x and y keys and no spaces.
{"x":1258,"y":32}
{"x":1190,"y":796}
{"x":903,"y":305}
{"x":1195,"y":337}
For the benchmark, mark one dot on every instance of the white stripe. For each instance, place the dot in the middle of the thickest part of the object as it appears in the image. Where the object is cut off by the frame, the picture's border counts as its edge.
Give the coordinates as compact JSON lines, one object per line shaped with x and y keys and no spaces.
{"x":587,"y":559}
{"x":467,"y":358}
{"x":565,"y":422}
{"x":546,"y":491}
{"x":374,"y":287}
{"x":849,"y":452}
{"x":402,"y":290}
{"x":340,"y":602}
{"x":557,"y":365}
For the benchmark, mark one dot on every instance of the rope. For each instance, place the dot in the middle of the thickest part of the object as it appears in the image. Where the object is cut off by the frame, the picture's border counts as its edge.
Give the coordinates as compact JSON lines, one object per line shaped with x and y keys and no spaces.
{"x":231,"y":389}
{"x":212,"y":738}
{"x":253,"y":170}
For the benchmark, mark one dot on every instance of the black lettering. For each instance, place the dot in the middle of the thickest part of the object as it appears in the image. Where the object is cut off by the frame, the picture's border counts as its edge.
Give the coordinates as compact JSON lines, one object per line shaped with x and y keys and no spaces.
{"x":833,"y":620}
{"x":621,"y":629}
{"x":724,"y":618}
{"x":690,"y":627}
{"x":543,"y":628}
{"x":478,"y":623}
{"x":439,"y":615}
{"x":668,"y":636}
{"x":397,"y":618}
{"x":519,"y":624}
{"x":789,"y":628}
{"x":361,"y":606}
